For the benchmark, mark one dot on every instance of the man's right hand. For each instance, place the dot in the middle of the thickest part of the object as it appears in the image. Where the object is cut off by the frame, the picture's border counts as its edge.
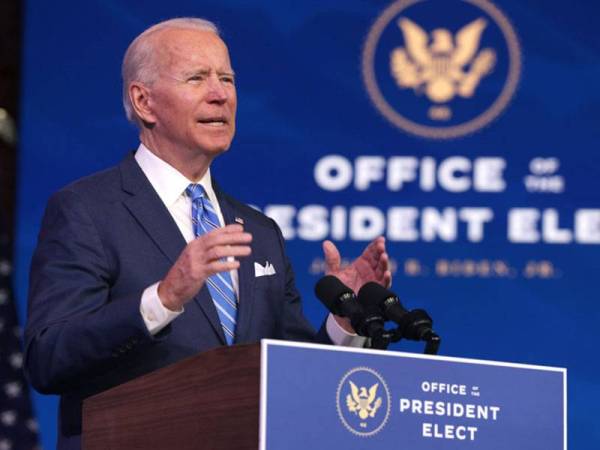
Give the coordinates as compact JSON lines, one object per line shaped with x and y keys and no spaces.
{"x":201,"y":258}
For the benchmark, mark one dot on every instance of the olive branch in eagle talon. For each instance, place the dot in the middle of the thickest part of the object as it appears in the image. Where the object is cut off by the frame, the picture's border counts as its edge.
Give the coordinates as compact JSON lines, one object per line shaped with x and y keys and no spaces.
{"x":445,"y":67}
{"x":359,"y":402}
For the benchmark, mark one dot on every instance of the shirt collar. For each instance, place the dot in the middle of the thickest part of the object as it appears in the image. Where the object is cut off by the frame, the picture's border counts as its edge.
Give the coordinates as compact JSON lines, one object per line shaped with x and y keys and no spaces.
{"x":167,"y":181}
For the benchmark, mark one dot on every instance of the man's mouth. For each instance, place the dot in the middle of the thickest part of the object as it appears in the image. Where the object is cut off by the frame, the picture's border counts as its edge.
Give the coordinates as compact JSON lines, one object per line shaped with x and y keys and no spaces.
{"x":214,"y":121}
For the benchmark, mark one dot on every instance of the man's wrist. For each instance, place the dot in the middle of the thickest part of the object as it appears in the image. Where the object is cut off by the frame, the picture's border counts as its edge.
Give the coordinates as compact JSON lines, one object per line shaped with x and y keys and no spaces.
{"x":156,"y":315}
{"x":166,"y":299}
{"x":339,"y":336}
{"x":344,"y":323}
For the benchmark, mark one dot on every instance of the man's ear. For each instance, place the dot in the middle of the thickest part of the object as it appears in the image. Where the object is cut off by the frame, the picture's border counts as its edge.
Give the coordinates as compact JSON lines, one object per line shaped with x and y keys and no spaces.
{"x":139,"y":95}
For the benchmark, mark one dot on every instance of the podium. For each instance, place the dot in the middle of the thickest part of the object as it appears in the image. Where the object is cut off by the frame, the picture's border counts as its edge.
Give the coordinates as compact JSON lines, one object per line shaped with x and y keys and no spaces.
{"x":283,"y":395}
{"x":210,"y":401}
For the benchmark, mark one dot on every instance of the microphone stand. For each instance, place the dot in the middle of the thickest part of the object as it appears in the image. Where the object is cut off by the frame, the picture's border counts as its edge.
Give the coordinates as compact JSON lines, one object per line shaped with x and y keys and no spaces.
{"x":432,"y":345}
{"x":432,"y":340}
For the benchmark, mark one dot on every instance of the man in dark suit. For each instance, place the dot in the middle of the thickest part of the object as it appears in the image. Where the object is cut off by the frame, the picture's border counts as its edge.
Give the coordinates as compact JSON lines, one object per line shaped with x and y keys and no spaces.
{"x":150,"y":262}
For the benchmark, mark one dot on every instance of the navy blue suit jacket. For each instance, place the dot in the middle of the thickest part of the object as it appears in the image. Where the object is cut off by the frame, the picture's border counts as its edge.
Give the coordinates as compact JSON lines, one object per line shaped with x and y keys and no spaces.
{"x":106,"y":238}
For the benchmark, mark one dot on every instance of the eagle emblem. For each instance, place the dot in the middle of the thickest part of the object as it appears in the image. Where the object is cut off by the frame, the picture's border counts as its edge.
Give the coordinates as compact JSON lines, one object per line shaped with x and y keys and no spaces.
{"x":362,"y":402}
{"x":441,"y":65}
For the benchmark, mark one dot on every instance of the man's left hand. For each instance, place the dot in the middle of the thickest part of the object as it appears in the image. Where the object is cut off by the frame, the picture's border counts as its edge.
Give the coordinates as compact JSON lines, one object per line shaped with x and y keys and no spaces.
{"x":371,"y":265}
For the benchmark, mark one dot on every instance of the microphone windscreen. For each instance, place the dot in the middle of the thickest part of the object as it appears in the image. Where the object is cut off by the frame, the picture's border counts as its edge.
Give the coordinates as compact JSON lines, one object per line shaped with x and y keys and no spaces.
{"x":373,"y":292}
{"x":329,"y":289}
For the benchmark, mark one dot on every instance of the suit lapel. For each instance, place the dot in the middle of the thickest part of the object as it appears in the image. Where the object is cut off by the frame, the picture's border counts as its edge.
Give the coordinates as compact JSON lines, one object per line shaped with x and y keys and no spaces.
{"x":154,"y":217}
{"x":149,"y":211}
{"x":246,"y":270}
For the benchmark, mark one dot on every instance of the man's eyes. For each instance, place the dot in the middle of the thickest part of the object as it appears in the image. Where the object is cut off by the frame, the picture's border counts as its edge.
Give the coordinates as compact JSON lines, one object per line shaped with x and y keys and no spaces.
{"x":196,"y":79}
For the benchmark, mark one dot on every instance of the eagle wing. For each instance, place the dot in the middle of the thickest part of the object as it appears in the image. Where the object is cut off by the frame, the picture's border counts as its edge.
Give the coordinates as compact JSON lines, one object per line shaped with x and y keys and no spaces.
{"x":485,"y":61}
{"x":352,"y":401}
{"x":467,"y":42}
{"x":351,"y":404}
{"x":354,"y":390}
{"x":415,"y":39}
{"x":372,"y":393}
{"x":404,"y":71}
{"x":375,"y":407}
{"x":481,"y":66}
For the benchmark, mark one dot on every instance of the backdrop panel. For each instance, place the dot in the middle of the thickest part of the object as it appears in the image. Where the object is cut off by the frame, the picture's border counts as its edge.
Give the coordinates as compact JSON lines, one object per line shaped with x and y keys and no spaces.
{"x":464,"y":131}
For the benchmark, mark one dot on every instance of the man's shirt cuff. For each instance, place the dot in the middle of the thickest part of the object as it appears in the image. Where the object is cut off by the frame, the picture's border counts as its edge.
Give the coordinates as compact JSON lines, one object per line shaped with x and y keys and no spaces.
{"x":154,"y":313}
{"x":339,"y":336}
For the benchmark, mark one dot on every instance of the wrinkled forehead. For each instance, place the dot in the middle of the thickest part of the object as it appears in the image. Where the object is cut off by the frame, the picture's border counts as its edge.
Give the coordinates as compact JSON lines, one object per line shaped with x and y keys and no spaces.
{"x":176,"y":48}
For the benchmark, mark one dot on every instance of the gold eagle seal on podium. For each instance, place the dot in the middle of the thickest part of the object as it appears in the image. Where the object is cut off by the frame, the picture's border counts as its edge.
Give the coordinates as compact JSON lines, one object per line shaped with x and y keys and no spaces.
{"x":363,"y":401}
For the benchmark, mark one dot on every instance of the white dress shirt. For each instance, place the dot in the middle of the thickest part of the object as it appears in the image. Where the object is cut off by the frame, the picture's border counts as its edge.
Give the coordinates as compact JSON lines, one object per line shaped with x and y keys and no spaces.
{"x":170,"y":185}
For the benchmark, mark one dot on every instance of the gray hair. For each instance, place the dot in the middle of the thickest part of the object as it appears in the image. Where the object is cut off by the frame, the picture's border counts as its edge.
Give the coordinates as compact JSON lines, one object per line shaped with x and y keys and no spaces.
{"x":139,"y":62}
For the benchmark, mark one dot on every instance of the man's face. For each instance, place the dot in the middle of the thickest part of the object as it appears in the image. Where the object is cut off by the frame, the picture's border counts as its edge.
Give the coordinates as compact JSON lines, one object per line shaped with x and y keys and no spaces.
{"x":193,"y":99}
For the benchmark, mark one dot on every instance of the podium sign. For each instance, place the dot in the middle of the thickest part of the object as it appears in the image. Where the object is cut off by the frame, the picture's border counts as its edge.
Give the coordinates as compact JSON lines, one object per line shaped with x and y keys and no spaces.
{"x":324,"y":397}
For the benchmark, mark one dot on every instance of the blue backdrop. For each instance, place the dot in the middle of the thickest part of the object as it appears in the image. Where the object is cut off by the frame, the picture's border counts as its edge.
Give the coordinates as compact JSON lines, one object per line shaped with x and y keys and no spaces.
{"x":464,"y":131}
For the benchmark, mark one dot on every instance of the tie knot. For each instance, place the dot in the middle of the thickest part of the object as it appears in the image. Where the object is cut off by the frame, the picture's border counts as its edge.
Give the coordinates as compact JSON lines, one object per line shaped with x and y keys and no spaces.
{"x":195,"y":191}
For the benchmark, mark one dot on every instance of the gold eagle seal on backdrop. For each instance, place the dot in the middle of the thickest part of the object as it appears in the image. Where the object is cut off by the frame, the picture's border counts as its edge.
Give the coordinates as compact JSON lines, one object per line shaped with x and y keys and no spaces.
{"x":459,"y":80}
{"x":446,"y":67}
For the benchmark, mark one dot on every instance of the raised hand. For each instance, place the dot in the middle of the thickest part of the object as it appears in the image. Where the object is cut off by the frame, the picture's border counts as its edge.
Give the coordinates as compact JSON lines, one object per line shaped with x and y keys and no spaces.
{"x":371,"y":265}
{"x":201,"y":258}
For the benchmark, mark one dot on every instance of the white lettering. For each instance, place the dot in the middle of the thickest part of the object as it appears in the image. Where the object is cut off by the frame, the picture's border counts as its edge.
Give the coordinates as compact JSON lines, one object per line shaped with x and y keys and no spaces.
{"x":333,"y":173}
{"x":434,"y":430}
{"x":366,"y":223}
{"x":551,"y":231}
{"x":494,"y":410}
{"x":312,"y":223}
{"x":427,"y":429}
{"x":475,"y":218}
{"x":438,"y":225}
{"x":284,"y":216}
{"x":427,"y":174}
{"x":401,"y":169}
{"x":453,"y":174}
{"x":448,"y":174}
{"x":402,"y":224}
{"x":544,"y":166}
{"x":522,"y":225}
{"x":470,"y":412}
{"x":487,"y":175}
{"x":404,"y":404}
{"x":587,"y":226}
{"x":367,"y":170}
{"x":448,"y":409}
{"x":339,"y":217}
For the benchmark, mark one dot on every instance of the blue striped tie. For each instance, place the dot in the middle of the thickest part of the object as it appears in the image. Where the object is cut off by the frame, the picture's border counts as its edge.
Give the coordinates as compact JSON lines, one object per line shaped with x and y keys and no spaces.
{"x":204,"y":219}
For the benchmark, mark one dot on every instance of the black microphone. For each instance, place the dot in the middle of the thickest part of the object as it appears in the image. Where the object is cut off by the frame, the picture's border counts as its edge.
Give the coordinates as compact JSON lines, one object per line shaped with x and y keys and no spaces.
{"x":373,"y":322}
{"x":366,"y":318}
{"x":414,"y":325}
{"x":340,"y":300}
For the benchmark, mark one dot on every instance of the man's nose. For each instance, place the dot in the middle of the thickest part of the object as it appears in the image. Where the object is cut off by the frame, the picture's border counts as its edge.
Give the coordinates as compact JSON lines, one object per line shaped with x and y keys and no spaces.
{"x":217,"y":93}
